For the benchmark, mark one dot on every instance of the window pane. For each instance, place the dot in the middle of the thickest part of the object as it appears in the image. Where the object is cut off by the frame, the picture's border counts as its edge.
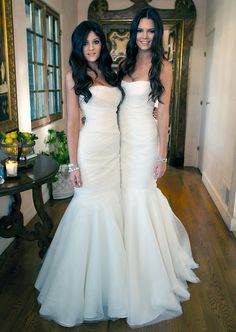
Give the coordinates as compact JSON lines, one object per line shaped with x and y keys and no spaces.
{"x":57,"y":81}
{"x":56,"y":55}
{"x":51,"y":103}
{"x":30,"y":46}
{"x":49,"y":26}
{"x":39,"y":49}
{"x":56,"y":30}
{"x":50,"y":78}
{"x":28,"y":12}
{"x":38,"y":20}
{"x":33,"y":106}
{"x":50,"y":52}
{"x":58,"y":108}
{"x":41,"y":112}
{"x":40,"y":77}
{"x":31,"y":76}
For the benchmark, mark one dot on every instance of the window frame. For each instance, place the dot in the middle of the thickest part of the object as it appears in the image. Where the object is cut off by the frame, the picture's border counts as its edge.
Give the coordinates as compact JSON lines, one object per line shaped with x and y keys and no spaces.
{"x":45,"y":11}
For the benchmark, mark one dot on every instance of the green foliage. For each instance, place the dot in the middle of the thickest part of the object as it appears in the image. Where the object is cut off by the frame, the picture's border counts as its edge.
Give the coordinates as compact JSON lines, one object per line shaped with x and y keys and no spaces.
{"x":26,"y":137}
{"x":57,"y":143}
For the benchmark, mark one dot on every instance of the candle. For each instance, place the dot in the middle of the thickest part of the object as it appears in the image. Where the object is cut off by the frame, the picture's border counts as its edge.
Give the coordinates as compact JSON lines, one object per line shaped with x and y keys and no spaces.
{"x":11,"y":167}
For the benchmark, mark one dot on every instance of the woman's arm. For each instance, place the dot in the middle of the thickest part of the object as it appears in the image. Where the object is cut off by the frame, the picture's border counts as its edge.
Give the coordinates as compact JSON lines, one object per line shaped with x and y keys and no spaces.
{"x":163,"y":117}
{"x":73,"y":127}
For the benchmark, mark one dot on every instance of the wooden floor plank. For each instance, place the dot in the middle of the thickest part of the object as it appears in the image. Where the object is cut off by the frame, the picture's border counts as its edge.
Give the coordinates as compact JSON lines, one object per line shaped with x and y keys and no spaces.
{"x":212,"y":306}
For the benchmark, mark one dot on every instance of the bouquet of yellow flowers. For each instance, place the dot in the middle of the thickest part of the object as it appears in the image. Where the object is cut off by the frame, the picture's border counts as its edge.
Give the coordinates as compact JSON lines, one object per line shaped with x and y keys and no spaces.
{"x":17,"y":144}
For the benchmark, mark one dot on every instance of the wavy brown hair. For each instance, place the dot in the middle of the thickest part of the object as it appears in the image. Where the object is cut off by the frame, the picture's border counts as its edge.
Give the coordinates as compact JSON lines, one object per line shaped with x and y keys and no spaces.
{"x":157,"y":51}
{"x":80,"y":65}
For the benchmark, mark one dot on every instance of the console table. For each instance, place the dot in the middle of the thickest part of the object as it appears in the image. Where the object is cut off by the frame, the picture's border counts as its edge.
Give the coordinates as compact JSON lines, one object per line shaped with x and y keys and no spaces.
{"x":42,"y":171}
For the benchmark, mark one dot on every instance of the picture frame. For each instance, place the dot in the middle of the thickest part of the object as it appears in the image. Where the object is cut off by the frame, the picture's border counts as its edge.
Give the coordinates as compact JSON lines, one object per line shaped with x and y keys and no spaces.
{"x":8,"y":99}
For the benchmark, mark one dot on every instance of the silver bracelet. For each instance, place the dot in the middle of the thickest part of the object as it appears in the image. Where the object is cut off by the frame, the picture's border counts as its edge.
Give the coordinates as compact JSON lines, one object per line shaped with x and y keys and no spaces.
{"x":162,"y":160}
{"x":73,"y":168}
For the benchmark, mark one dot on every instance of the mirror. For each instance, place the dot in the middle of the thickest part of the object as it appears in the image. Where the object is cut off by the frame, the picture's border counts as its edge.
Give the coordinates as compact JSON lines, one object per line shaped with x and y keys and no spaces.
{"x":178,"y":33}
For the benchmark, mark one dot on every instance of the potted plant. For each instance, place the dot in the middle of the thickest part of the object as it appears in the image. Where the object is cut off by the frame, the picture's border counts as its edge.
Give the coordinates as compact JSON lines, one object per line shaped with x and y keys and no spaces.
{"x":57,"y":149}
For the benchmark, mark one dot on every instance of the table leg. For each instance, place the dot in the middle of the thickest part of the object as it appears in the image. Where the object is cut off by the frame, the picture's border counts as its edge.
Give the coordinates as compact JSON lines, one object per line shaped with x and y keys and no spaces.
{"x":43,"y":228}
{"x":13,"y":224}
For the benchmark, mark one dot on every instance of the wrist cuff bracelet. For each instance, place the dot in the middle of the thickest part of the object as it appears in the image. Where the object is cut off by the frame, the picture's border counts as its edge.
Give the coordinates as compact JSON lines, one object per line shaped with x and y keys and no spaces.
{"x":73,"y":167}
{"x":162,"y":160}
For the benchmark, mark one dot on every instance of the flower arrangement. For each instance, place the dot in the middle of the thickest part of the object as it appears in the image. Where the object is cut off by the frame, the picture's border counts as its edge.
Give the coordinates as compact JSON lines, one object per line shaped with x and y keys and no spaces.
{"x":17,"y":144}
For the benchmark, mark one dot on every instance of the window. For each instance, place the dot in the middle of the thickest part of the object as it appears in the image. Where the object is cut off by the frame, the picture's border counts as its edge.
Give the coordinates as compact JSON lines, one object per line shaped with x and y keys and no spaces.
{"x":44,"y":58}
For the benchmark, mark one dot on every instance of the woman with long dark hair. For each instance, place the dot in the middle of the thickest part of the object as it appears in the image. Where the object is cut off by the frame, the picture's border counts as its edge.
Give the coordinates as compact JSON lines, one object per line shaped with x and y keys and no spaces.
{"x":83,"y":277}
{"x":159,"y":257}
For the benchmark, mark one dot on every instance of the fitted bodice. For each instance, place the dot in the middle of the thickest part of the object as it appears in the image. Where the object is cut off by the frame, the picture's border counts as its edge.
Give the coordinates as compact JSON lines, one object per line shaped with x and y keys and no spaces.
{"x":101,"y":109}
{"x":137,"y":96}
{"x":136,"y":111}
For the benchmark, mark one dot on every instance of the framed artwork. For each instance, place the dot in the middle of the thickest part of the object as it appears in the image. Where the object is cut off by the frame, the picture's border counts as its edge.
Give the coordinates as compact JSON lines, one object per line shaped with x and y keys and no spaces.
{"x":118,"y":41}
{"x":8,"y":102}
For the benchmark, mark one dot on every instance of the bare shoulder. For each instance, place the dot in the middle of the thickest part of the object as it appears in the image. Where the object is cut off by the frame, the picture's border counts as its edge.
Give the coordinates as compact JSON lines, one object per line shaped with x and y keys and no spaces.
{"x":69,"y":80}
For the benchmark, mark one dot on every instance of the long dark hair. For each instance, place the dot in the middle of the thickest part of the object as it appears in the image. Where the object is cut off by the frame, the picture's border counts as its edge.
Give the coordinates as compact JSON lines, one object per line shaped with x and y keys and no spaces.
{"x":80,"y":65}
{"x":157,"y":52}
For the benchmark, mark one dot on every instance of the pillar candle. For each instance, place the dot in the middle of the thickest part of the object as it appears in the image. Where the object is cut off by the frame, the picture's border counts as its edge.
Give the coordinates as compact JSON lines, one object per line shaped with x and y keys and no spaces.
{"x":11,"y":167}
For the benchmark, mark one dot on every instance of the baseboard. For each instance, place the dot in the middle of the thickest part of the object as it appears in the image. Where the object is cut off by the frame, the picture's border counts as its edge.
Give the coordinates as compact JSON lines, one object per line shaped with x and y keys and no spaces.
{"x":229,"y":220}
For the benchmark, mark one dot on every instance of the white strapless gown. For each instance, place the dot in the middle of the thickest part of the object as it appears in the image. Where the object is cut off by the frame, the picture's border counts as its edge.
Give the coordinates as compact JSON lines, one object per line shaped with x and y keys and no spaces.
{"x":83,"y":276}
{"x":158,"y":251}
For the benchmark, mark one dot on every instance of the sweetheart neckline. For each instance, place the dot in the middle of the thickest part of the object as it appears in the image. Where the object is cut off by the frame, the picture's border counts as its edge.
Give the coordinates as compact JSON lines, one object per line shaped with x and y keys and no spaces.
{"x":103,"y":86}
{"x":135,"y":81}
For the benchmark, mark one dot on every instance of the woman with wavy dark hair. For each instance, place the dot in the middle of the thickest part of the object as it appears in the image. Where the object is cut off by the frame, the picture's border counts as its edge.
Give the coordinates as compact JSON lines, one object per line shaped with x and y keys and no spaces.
{"x":83,"y":275}
{"x":159,"y":257}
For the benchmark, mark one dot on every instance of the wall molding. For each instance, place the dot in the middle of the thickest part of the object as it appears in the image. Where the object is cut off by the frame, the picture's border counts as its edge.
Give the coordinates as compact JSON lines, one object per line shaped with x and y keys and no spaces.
{"x":229,"y":219}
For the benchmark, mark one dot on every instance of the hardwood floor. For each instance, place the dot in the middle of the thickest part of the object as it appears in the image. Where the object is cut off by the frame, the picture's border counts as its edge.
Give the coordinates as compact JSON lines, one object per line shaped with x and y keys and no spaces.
{"x":212,"y":306}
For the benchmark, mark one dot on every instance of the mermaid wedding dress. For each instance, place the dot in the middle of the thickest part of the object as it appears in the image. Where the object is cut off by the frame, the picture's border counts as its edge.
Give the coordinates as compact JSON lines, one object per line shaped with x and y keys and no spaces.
{"x":83,"y":276}
{"x":158,"y":251}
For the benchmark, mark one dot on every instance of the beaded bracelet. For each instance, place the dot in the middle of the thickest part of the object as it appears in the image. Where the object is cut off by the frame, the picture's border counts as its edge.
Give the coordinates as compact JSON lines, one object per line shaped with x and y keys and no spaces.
{"x":162,"y":160}
{"x":73,"y":168}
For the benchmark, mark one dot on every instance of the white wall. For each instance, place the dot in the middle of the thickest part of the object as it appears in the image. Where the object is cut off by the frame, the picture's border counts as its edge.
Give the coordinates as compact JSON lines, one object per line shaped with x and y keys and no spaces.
{"x":69,"y":19}
{"x":219,"y":162}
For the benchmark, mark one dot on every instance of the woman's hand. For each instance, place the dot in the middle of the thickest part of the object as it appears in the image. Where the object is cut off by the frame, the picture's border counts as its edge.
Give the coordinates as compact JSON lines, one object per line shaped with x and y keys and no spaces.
{"x":159,"y":170}
{"x":75,"y":178}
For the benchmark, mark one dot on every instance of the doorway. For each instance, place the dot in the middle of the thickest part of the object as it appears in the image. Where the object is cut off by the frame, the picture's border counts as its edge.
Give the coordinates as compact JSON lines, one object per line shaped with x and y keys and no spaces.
{"x":206,"y":102}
